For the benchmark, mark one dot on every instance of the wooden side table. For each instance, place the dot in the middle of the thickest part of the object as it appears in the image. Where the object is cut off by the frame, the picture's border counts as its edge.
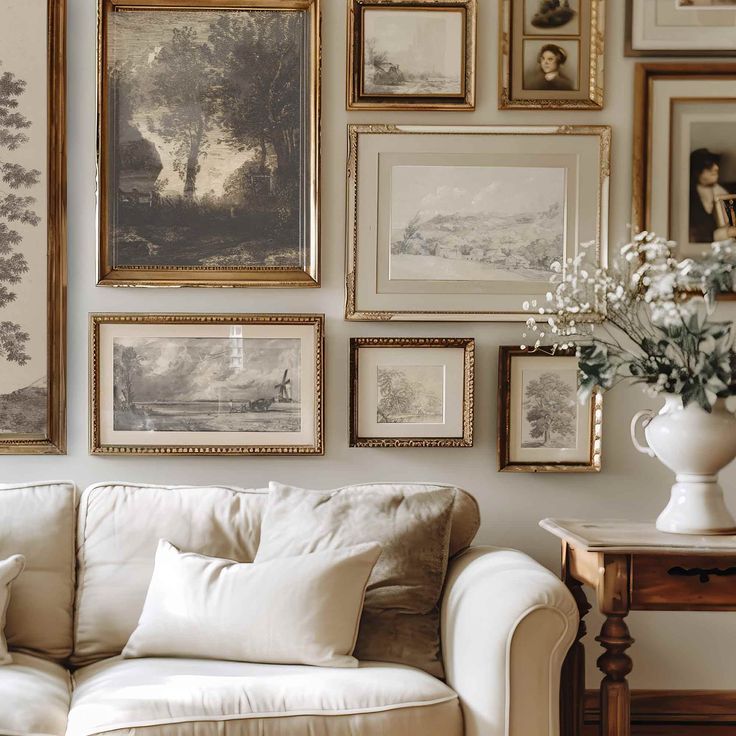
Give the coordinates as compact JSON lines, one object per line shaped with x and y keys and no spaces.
{"x":632,"y":567}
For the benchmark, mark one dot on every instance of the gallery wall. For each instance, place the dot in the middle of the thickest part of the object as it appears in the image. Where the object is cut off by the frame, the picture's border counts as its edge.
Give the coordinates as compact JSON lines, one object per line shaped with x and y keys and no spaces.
{"x":630,"y":486}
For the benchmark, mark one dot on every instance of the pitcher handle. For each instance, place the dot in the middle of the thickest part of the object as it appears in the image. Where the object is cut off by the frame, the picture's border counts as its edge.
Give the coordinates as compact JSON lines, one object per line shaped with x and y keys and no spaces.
{"x":647,"y":415}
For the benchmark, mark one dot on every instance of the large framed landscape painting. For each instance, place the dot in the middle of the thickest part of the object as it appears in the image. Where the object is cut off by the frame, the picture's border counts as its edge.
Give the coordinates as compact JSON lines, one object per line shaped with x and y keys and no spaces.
{"x":32,"y":227}
{"x":209,"y":143}
{"x":465,"y":224}
{"x":411,"y":54}
{"x":236,"y":384}
{"x":542,"y":425}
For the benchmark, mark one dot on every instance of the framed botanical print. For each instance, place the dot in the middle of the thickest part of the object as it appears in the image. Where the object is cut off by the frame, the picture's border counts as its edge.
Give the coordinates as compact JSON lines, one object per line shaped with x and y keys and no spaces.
{"x":542,"y":427}
{"x":231,"y":384}
{"x":465,"y":223}
{"x":411,"y":54}
{"x":208,"y":137}
{"x":685,"y":153}
{"x":551,"y":54}
{"x":411,"y":392}
{"x":33,"y":227}
{"x":680,"y":28}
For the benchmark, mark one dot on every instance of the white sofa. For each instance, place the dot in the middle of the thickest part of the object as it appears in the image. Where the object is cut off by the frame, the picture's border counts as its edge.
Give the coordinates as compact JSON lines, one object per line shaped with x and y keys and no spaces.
{"x":506,"y":625}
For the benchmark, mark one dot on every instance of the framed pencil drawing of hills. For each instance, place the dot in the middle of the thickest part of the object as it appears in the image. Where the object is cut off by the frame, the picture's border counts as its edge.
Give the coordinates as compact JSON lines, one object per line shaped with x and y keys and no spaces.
{"x":208,"y":131}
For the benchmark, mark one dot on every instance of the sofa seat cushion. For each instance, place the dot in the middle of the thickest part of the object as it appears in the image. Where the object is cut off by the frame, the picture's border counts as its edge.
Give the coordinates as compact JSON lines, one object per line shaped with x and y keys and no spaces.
{"x":202,"y":697}
{"x":34,"y":697}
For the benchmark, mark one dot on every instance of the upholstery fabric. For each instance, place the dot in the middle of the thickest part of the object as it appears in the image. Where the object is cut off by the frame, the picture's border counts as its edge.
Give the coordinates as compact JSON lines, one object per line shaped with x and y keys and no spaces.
{"x":9,"y":571}
{"x":35,"y":695}
{"x":295,"y":610}
{"x":118,"y":533}
{"x":507,"y":623}
{"x":178,"y":697}
{"x":412,"y":523}
{"x":37,"y":521}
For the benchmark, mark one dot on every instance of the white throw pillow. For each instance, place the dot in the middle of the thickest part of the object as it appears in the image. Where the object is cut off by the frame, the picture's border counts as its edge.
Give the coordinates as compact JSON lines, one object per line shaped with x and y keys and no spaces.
{"x":10,"y":568}
{"x":294,"y":610}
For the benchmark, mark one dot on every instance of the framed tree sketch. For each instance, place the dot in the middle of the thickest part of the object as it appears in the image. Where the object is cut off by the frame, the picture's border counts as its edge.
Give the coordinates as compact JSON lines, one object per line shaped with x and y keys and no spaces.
{"x":236,"y":384}
{"x":542,"y":426}
{"x":685,"y":153}
{"x":551,"y":54}
{"x":465,"y":223}
{"x":208,"y":120}
{"x":33,"y":227}
{"x":411,"y":392}
{"x":680,"y":28}
{"x":411,"y":54}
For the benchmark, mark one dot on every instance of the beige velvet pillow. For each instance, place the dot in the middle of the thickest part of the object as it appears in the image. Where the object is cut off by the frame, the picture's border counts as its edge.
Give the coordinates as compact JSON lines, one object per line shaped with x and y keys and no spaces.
{"x":296,"y":610}
{"x":411,"y":522}
{"x":10,"y":568}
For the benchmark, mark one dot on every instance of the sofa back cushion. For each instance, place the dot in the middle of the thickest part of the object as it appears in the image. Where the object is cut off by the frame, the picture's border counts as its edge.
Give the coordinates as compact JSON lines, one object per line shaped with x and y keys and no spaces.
{"x":37,"y":521}
{"x":118,"y":532}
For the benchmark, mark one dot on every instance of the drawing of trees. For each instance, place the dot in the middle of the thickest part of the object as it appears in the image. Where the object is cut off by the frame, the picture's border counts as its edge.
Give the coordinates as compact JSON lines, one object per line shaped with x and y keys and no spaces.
{"x":16,"y":206}
{"x":398,"y":395}
{"x":127,"y":366}
{"x":549,"y":402}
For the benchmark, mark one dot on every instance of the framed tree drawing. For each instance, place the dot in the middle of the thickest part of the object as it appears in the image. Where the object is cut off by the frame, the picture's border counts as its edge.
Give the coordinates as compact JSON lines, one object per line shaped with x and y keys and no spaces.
{"x":234,"y":384}
{"x":208,"y":114}
{"x":33,"y":227}
{"x":542,"y":427}
{"x":411,"y":391}
{"x":411,"y":54}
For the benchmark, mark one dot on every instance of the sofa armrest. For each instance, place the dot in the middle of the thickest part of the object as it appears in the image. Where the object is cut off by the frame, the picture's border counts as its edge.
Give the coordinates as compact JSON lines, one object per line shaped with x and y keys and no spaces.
{"x":507,"y":624}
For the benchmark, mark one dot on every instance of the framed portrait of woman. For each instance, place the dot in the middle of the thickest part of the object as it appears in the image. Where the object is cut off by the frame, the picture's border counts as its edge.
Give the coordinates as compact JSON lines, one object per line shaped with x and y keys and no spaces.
{"x":684,"y":142}
{"x":551,"y":54}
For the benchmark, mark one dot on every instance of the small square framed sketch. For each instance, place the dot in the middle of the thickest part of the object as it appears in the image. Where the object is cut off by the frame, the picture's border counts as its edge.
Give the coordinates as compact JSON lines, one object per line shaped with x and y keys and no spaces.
{"x":411,"y":392}
{"x":411,"y":54}
{"x":542,"y":426}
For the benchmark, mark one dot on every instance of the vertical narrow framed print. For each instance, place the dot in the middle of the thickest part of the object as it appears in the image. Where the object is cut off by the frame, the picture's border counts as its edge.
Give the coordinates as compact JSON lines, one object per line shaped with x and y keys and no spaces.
{"x":551,"y":54}
{"x":208,"y":115}
{"x":542,"y":426}
{"x":230,"y":384}
{"x":33,"y":227}
{"x":411,"y":391}
{"x":411,"y":54}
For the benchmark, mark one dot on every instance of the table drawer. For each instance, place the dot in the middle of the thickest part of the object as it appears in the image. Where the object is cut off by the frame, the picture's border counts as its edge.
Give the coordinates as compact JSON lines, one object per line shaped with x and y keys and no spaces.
{"x":684,"y":582}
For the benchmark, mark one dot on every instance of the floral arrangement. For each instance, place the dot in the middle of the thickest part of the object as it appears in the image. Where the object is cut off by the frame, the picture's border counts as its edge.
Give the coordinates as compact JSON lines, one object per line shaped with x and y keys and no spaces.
{"x":648,"y":319}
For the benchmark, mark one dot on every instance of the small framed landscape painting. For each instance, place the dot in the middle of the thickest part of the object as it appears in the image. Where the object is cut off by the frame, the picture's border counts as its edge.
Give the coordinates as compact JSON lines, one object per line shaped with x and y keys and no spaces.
{"x":680,"y":27}
{"x":33,"y":227}
{"x":551,"y":54}
{"x":235,"y":384}
{"x":465,"y":223}
{"x":685,"y":153}
{"x":411,"y":54}
{"x":542,"y":426}
{"x":208,"y":142}
{"x":411,"y":392}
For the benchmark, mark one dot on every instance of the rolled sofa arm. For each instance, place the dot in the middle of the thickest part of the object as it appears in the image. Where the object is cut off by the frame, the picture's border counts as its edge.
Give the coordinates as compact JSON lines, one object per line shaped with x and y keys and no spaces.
{"x":507,"y":624}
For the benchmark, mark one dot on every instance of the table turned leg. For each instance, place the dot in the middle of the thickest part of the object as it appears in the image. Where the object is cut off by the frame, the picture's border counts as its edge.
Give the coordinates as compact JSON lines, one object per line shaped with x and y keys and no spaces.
{"x":615,"y":664}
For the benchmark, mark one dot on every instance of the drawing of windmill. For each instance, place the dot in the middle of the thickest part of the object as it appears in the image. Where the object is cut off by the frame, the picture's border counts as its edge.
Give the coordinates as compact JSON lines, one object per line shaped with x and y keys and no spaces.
{"x":284,"y":389}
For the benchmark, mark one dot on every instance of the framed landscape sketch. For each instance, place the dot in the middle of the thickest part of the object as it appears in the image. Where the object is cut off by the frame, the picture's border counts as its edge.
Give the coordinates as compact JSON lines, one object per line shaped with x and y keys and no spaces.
{"x":542,"y":426}
{"x":33,"y":227}
{"x":680,"y":28}
{"x":551,"y":54}
{"x":208,"y":142}
{"x":411,"y":392}
{"x":237,"y":384}
{"x":685,"y":153}
{"x":411,"y":54}
{"x":464,"y":223}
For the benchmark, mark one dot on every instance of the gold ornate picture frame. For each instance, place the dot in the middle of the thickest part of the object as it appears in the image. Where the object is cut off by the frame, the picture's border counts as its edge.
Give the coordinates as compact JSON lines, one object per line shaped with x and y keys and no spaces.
{"x":411,"y":54}
{"x":551,"y":58}
{"x":542,"y":427}
{"x":411,"y":392}
{"x":220,"y":384}
{"x":208,"y":143}
{"x":33,"y":229}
